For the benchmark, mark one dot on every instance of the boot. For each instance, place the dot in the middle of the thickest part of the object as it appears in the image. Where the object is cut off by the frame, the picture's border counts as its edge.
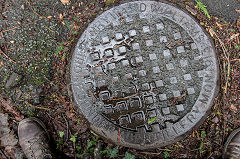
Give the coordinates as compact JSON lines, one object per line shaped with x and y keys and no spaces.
{"x":232,"y":145}
{"x":34,"y":139}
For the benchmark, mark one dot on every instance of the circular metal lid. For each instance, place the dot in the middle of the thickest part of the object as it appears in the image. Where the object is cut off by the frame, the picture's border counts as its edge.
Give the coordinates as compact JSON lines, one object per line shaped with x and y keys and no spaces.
{"x":143,"y":74}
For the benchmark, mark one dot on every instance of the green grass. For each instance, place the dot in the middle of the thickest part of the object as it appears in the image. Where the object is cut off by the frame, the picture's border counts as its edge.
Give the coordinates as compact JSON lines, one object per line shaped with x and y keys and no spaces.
{"x":203,"y":8}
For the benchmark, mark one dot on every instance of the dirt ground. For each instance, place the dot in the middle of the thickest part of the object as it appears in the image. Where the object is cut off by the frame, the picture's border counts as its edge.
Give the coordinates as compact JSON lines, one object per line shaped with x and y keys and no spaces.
{"x":37,"y":38}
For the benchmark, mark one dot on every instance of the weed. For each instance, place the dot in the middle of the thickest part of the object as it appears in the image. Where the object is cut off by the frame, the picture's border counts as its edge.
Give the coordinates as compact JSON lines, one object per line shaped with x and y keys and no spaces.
{"x":166,"y":154}
{"x":59,"y":49}
{"x":109,"y":2}
{"x":60,"y":139}
{"x":76,"y":19}
{"x":64,"y":55}
{"x":73,"y":138}
{"x":78,"y":148}
{"x":203,"y":8}
{"x":61,"y":134}
{"x":90,"y":143}
{"x":128,"y":156}
{"x":89,"y":149}
{"x":201,"y":147}
{"x":218,"y":112}
{"x":237,"y":47}
{"x":203,"y":134}
{"x":111,"y":152}
{"x":30,"y":113}
{"x":151,"y":120}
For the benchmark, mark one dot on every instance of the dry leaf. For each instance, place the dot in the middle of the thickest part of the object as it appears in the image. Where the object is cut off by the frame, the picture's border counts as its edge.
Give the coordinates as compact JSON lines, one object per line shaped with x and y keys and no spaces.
{"x":212,"y":33}
{"x":219,"y":25}
{"x":234,"y":36}
{"x":49,"y":17}
{"x":1,"y":63}
{"x":192,"y":11}
{"x":6,"y":104}
{"x":61,"y":16}
{"x":232,"y":107}
{"x":65,"y":2}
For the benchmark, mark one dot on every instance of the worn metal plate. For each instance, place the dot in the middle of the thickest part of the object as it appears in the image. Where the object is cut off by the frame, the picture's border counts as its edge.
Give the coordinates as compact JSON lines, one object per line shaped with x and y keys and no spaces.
{"x":144,"y":74}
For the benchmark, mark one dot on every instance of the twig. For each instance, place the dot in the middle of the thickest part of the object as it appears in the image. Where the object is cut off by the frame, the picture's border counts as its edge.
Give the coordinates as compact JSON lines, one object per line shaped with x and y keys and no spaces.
{"x":150,"y":153}
{"x":7,"y":56}
{"x":228,"y":62}
{"x":236,"y":60}
{"x":226,"y":56}
{"x":34,"y":10}
{"x":2,"y":31}
{"x":43,"y":17}
{"x":165,"y":150}
{"x":66,"y":124}
{"x":37,"y":107}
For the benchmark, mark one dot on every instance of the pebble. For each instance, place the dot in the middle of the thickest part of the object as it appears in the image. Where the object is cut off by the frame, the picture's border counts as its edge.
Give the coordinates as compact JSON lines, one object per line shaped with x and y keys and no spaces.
{"x":13,"y":80}
{"x":215,"y":120}
{"x":36,"y":95}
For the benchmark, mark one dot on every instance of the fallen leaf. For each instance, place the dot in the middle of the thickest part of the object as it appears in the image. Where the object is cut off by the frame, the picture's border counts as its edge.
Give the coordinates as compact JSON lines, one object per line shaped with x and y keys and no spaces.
{"x":61,"y":16}
{"x":234,"y":36}
{"x":212,"y":33}
{"x":192,"y":11}
{"x":232,"y":107}
{"x":6,"y":104}
{"x":65,"y":2}
{"x":49,"y":17}
{"x":219,"y":25}
{"x":1,"y":63}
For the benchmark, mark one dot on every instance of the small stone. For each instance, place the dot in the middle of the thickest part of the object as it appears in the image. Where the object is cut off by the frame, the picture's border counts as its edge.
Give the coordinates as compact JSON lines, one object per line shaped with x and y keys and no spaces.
{"x":36,"y":96}
{"x":215,"y":120}
{"x":22,"y":7}
{"x":13,"y":80}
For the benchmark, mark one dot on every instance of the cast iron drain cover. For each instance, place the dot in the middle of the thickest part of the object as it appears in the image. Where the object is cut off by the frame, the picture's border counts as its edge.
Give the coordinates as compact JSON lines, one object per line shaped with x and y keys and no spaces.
{"x":143,"y":74}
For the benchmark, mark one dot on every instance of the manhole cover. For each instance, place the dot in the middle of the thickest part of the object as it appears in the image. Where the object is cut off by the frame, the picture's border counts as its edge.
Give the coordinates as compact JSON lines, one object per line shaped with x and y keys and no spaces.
{"x":143,"y":74}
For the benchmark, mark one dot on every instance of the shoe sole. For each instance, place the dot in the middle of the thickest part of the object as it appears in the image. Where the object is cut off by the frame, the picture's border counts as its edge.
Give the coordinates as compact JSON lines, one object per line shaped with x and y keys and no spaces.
{"x":229,"y":139}
{"x":36,"y":120}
